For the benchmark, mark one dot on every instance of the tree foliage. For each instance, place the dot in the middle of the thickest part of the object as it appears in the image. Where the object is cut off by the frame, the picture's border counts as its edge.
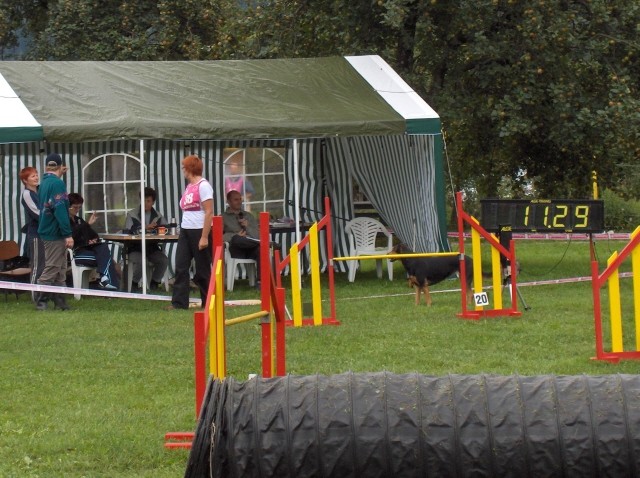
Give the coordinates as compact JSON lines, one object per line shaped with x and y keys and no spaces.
{"x":116,"y":29}
{"x":546,"y":87}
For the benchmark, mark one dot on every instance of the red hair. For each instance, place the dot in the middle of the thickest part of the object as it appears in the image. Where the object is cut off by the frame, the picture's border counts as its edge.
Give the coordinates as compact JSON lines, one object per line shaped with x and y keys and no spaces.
{"x":26,"y":172}
{"x":193,"y":165}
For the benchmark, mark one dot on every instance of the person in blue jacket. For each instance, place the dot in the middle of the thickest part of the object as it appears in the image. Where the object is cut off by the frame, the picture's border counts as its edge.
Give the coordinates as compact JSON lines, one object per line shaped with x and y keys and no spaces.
{"x":54,"y":228}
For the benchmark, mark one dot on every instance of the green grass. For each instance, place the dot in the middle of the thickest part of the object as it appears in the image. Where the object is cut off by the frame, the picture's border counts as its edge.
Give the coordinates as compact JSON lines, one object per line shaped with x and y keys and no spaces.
{"x":92,"y":391}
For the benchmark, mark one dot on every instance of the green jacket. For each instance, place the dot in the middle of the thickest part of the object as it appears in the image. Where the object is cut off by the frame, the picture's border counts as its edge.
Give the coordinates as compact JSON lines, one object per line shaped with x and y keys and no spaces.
{"x":54,"y":209}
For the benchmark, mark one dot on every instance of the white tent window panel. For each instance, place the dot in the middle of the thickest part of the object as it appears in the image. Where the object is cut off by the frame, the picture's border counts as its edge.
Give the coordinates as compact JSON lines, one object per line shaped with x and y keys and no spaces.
{"x":111,"y":187}
{"x":263,"y":177}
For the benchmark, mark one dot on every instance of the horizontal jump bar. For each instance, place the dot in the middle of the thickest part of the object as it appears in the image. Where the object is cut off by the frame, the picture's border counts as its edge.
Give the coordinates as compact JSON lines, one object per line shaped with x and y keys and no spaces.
{"x":396,"y":256}
{"x":246,"y":318}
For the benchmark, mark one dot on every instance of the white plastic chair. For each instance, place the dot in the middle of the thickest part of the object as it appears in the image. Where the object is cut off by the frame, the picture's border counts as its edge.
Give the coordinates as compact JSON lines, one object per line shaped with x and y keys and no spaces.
{"x":231,"y":264}
{"x":80,"y":274}
{"x":363,"y":232}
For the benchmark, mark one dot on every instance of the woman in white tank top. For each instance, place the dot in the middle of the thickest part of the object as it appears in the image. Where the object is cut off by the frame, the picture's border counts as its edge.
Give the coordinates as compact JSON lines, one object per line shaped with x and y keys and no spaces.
{"x":195,"y":232}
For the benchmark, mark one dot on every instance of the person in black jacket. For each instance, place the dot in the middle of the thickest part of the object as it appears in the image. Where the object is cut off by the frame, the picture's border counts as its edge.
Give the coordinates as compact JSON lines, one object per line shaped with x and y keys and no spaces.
{"x":155,"y":254}
{"x":34,"y":247}
{"x":89,"y":250}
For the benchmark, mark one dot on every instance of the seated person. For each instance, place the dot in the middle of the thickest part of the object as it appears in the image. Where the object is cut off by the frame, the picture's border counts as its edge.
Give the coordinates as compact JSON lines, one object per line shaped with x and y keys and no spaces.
{"x":155,"y":254}
{"x":240,"y":230}
{"x":88,"y":249}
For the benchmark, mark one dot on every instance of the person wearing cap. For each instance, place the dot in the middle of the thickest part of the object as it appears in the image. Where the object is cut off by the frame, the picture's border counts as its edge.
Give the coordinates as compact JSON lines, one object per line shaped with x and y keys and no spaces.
{"x":54,"y":228}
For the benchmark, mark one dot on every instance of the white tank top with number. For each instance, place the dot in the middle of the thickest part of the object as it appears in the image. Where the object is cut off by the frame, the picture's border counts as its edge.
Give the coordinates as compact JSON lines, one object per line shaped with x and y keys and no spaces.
{"x":191,"y":204}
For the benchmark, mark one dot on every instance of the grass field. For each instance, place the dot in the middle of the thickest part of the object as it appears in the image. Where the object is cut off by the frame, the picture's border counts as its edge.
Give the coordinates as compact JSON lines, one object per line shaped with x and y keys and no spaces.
{"x":91,"y":392}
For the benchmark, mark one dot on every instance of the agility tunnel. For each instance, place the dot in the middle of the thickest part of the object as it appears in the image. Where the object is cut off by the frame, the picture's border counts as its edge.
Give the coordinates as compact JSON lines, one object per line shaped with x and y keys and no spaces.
{"x":389,"y":425}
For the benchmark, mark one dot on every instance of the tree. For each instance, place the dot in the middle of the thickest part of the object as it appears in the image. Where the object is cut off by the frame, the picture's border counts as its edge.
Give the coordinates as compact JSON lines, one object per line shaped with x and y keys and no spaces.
{"x":305,"y":28}
{"x":541,"y":87}
{"x":543,"y":91}
{"x":116,"y":29}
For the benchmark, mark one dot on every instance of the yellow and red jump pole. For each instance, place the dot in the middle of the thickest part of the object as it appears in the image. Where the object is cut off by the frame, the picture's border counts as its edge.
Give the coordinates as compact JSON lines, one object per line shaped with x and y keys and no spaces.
{"x":497,"y":250}
{"x":209,"y":324}
{"x":293,"y":261}
{"x":610,"y":277}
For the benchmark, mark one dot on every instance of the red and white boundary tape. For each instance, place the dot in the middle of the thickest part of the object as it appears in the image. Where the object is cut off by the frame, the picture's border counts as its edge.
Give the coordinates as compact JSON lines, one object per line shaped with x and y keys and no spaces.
{"x":15,"y":286}
{"x":523,"y":284}
{"x":72,"y":290}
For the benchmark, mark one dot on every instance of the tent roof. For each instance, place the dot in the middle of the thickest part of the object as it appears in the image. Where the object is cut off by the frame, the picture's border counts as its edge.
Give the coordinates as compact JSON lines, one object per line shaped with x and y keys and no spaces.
{"x":16,"y":123}
{"x":287,"y":98}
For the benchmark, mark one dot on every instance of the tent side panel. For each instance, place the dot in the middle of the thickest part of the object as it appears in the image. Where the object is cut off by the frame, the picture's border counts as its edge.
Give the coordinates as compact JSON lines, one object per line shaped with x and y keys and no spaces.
{"x":441,"y":193}
{"x":338,"y":179}
{"x":14,"y":157}
{"x":398,"y":176}
{"x":310,"y":192}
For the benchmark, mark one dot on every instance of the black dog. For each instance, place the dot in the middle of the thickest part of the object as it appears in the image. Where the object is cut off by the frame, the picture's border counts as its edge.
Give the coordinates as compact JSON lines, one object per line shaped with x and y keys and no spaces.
{"x":426,"y":271}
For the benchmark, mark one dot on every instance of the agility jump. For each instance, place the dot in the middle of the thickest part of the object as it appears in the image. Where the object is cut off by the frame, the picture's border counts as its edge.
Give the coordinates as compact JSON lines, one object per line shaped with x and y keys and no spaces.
{"x":497,"y":250}
{"x":209,"y":325}
{"x":610,"y":277}
{"x":293,"y":261}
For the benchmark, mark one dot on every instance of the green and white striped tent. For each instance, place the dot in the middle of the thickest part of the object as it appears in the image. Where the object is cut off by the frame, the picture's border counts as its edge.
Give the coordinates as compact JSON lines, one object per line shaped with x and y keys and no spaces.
{"x":340,"y":119}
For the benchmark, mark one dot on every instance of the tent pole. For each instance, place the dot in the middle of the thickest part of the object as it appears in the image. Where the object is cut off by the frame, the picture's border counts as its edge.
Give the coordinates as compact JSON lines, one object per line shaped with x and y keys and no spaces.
{"x":296,"y":189}
{"x":143,"y":230}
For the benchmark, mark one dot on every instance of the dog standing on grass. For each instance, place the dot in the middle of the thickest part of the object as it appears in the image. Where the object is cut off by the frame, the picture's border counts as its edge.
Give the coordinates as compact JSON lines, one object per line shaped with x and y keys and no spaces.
{"x":426,"y":271}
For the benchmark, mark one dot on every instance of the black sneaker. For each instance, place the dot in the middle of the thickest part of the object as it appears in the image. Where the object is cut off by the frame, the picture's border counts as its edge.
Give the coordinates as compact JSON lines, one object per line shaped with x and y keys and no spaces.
{"x":153,"y":285}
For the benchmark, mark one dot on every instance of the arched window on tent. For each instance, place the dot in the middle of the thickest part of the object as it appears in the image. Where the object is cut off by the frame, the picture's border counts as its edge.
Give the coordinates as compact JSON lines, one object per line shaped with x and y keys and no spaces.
{"x":258,"y":173}
{"x":111,"y":187}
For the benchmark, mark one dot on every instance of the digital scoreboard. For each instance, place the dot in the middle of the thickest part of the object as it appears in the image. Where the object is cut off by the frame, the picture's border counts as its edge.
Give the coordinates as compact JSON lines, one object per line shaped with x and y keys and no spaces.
{"x":543,"y":215}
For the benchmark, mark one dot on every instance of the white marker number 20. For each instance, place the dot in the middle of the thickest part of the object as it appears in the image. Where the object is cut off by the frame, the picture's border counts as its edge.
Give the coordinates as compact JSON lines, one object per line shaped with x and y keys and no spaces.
{"x":481,"y":299}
